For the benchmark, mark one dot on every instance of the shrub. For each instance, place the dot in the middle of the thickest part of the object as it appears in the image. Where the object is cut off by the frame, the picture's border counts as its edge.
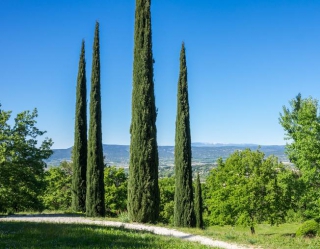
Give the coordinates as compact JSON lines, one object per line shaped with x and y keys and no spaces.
{"x":166,"y":186}
{"x":294,"y":216}
{"x":57,"y":195}
{"x":116,"y":191}
{"x":124,"y":217}
{"x":308,"y":229}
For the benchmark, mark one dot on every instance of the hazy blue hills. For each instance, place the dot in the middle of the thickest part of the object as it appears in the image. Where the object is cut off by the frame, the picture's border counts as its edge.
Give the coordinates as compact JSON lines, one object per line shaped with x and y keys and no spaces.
{"x":202,"y":154}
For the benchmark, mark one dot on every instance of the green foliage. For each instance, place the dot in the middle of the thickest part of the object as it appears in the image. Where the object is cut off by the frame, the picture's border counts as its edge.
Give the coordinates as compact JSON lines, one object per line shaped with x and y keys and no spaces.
{"x":80,"y":139}
{"x":166,"y":186}
{"x":294,"y":216}
{"x":116,"y":190}
{"x":198,"y":203}
{"x":57,"y":195}
{"x":95,"y":205}
{"x":184,"y":215}
{"x":143,"y":189}
{"x":124,"y":217}
{"x":21,"y":162}
{"x":248,"y":189}
{"x":309,"y":228}
{"x":301,"y":123}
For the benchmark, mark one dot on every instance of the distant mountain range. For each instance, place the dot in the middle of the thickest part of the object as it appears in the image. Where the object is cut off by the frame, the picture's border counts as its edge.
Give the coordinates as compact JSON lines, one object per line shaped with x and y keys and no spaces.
{"x":197,"y":144}
{"x":202,"y":154}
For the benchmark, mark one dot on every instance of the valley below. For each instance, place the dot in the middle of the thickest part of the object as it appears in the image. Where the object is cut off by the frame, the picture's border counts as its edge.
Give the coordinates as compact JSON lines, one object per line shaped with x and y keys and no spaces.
{"x":204,"y":156}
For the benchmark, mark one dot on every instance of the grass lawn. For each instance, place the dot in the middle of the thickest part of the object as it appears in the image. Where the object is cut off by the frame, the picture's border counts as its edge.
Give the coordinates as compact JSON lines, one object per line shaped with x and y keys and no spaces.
{"x":267,"y":237}
{"x":46,"y":235}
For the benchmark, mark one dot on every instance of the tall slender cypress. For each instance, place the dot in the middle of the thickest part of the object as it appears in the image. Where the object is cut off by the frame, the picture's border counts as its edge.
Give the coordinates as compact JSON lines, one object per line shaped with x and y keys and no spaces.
{"x":183,"y":199}
{"x":95,"y":205}
{"x":143,"y":189}
{"x":80,"y":139}
{"x":198,"y":205}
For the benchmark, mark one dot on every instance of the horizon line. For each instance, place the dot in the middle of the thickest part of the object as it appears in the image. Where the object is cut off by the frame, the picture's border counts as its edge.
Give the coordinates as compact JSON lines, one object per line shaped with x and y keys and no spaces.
{"x":202,"y":144}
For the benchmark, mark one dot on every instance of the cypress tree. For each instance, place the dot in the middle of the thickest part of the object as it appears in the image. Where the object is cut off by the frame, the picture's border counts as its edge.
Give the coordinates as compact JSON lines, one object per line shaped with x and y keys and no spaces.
{"x":80,"y":139}
{"x":198,"y":206}
{"x":183,"y":199}
{"x":143,"y":189}
{"x":95,"y":205}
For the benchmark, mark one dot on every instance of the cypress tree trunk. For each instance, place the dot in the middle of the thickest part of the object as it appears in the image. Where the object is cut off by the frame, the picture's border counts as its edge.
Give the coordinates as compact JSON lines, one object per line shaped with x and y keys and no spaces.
{"x":80,"y":139}
{"x":143,"y":189}
{"x":183,"y":199}
{"x":198,"y":206}
{"x":95,"y":205}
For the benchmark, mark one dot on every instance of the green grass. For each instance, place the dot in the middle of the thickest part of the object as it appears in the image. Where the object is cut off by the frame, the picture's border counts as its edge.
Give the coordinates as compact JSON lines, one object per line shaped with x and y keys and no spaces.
{"x":268,"y":237}
{"x":46,"y":235}
{"x":43,"y":235}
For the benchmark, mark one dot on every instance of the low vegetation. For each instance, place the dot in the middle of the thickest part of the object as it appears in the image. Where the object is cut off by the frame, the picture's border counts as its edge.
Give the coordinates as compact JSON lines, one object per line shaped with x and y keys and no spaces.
{"x":309,"y":228}
{"x":46,"y":235}
{"x":266,"y":236}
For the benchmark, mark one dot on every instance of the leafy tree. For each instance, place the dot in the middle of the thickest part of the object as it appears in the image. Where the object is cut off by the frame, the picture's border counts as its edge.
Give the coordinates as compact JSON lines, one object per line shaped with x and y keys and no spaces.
{"x":57,"y":195}
{"x":95,"y":204}
{"x":247,"y":189}
{"x":301,"y":122}
{"x":21,"y":162}
{"x":183,"y":204}
{"x":166,"y":186}
{"x":116,"y":190}
{"x":143,"y":189}
{"x":80,"y":139}
{"x":198,"y":203}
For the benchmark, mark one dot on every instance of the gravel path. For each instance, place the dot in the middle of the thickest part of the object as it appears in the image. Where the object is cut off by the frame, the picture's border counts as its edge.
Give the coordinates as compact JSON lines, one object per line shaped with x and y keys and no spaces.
{"x":135,"y":226}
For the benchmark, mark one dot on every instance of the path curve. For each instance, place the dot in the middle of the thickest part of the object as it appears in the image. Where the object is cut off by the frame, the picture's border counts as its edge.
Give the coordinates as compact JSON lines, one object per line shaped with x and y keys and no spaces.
{"x":134,"y":226}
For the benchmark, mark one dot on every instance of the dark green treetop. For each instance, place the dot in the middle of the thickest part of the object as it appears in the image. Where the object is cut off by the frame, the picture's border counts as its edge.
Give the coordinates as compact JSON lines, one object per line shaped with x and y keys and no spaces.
{"x":143,"y":189}
{"x":80,"y":139}
{"x":95,"y":205}
{"x":184,"y":207}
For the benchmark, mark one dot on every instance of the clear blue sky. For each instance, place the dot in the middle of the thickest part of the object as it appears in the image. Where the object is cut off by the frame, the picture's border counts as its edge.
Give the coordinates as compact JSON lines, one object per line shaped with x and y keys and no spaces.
{"x":246,"y":59}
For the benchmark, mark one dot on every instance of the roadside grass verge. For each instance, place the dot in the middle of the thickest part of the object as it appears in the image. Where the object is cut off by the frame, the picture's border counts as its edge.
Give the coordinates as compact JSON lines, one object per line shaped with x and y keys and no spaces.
{"x":51,"y":235}
{"x":267,"y":237}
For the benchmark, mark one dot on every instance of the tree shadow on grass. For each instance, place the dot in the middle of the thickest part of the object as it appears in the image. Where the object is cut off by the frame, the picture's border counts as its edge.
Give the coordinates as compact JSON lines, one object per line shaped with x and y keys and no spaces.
{"x":292,"y":235}
{"x":43,"y":215}
{"x":50,"y":235}
{"x":266,"y":234}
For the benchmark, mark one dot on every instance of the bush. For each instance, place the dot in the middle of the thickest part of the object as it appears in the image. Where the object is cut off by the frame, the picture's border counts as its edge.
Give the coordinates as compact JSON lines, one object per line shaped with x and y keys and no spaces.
{"x":116,"y":191}
{"x":308,"y":229}
{"x":294,"y":216}
{"x":124,"y":217}
{"x":167,"y":188}
{"x":57,"y":195}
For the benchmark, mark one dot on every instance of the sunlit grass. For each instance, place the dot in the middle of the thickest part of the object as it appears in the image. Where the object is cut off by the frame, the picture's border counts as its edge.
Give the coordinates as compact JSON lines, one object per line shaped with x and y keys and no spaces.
{"x":268,"y":237}
{"x":49,"y":235}
{"x":40,"y":235}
